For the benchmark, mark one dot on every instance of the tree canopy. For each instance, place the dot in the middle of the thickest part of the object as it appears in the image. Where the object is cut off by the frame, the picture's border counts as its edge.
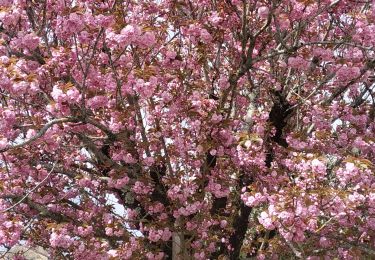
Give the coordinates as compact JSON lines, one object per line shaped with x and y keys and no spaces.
{"x":223,"y":129}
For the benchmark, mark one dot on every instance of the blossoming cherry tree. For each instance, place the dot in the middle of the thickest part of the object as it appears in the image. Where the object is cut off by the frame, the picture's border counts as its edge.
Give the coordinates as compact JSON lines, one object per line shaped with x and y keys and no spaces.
{"x":188,"y":129}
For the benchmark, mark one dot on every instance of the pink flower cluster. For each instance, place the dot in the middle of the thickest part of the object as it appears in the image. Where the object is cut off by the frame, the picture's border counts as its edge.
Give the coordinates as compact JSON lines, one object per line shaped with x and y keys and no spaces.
{"x":188,"y":210}
{"x":181,"y":192}
{"x":217,"y":189}
{"x":132,"y":34}
{"x":156,"y":235}
{"x":263,"y":12}
{"x":141,"y":189}
{"x":348,"y":174}
{"x":72,"y":95}
{"x":346,"y":73}
{"x":156,"y":256}
{"x":97,"y":102}
{"x":28,"y":41}
{"x":253,"y":200}
{"x":61,"y":238}
{"x":197,"y":33}
{"x":298,"y":63}
{"x":84,"y":231}
{"x":118,"y":183}
{"x":157,"y":208}
{"x":10,"y":231}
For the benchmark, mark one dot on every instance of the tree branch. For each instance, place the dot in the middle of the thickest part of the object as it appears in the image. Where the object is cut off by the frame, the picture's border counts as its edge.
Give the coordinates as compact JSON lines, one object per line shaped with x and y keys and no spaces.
{"x":30,"y":191}
{"x":40,"y":133}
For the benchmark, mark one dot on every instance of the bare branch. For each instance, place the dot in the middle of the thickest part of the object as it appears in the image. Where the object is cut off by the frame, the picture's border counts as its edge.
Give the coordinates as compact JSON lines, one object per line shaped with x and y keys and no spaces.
{"x":40,"y":133}
{"x":30,"y":191}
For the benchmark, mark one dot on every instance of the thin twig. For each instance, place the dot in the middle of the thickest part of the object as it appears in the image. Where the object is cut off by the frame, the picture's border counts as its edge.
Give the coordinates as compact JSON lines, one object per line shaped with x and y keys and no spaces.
{"x":40,"y":133}
{"x":30,"y":191}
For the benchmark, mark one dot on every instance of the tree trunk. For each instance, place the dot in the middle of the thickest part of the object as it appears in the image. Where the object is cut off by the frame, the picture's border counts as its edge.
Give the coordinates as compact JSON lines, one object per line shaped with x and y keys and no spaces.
{"x":179,"y":250}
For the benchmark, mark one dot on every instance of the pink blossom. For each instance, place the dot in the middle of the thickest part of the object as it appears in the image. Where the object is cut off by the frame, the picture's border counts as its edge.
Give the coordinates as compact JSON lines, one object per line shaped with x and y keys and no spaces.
{"x":149,"y":161}
{"x":84,"y":231}
{"x":298,"y":63}
{"x":60,"y":240}
{"x":148,"y":39}
{"x":112,"y":253}
{"x":223,"y":82}
{"x":223,"y":223}
{"x":3,"y":143}
{"x":57,"y":94}
{"x":324,"y":242}
{"x":104,"y":21}
{"x":131,"y":32}
{"x":318,"y":166}
{"x":215,"y":19}
{"x":74,"y":23}
{"x":205,"y":36}
{"x":140,"y":188}
{"x":266,"y":221}
{"x":216,"y":118}
{"x":73,"y":95}
{"x":97,"y":102}
{"x":347,"y":73}
{"x":171,"y":55}
{"x":109,"y":231}
{"x":263,"y":12}
{"x":30,"y":41}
